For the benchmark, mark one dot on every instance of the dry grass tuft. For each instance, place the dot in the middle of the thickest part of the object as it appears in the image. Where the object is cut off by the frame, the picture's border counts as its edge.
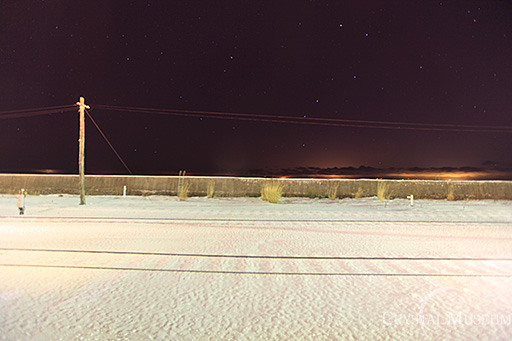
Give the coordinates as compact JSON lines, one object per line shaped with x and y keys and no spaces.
{"x":210,"y":190}
{"x":272,"y":191}
{"x":183,"y":186}
{"x":383,"y":191}
{"x":359,"y":194}
{"x":183,"y":191}
{"x":449,"y":195}
{"x":332,"y":192}
{"x":315,"y":193}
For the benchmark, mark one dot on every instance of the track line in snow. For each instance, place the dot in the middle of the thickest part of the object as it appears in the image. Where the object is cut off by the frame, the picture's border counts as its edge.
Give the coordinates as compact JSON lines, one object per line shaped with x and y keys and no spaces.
{"x":225,"y":272}
{"x":150,"y":220}
{"x":202,"y":255}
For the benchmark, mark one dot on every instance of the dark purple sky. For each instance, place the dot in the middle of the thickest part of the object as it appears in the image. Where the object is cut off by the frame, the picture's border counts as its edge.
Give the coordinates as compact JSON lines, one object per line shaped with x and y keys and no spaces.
{"x":435,"y":62}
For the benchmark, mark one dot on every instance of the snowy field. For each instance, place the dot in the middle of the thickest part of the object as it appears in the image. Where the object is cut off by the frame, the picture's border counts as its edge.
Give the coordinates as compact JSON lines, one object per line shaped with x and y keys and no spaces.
{"x":241,"y":269}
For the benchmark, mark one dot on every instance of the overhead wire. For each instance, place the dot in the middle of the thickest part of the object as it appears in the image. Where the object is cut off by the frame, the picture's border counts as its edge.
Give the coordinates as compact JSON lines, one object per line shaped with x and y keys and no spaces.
{"x":9,"y":114}
{"x":108,"y":142}
{"x":35,"y":112}
{"x":315,"y":121}
{"x":309,"y":118}
{"x":335,"y":122}
{"x":37,"y":109}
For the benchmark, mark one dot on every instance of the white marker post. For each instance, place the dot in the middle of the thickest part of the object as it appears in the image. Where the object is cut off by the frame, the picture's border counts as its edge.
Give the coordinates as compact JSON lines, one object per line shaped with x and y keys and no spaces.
{"x":124,"y":191}
{"x":412,"y":199}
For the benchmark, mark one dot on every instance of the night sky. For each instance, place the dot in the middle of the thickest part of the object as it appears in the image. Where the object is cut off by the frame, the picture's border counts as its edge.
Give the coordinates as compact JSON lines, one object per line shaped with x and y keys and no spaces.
{"x":443,"y":63}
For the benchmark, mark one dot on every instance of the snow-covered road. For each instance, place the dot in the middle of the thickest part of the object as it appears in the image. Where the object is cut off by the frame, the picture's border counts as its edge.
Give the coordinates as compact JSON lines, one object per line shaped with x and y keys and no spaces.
{"x":241,"y":269}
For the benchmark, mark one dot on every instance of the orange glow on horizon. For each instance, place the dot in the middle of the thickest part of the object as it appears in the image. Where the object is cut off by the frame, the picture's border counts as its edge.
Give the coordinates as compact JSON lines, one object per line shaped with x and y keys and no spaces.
{"x":425,"y":175}
{"x":443,"y":175}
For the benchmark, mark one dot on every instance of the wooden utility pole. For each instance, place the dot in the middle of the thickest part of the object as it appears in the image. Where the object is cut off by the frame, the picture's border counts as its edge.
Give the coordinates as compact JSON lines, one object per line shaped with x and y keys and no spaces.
{"x":81,"y":148}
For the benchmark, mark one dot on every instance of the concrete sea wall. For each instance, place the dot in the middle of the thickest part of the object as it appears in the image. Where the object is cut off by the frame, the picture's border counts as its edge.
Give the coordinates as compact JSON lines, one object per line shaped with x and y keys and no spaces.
{"x":239,"y":186}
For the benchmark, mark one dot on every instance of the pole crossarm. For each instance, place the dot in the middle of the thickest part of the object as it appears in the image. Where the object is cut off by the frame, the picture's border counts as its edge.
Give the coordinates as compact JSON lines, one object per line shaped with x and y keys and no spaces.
{"x":82,"y":104}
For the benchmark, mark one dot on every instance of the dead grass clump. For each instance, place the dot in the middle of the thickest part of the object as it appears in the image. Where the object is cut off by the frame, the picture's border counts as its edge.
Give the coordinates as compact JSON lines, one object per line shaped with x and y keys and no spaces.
{"x":449,"y":193}
{"x":210,"y":190}
{"x":359,"y":194}
{"x":315,"y":193}
{"x":183,"y":186}
{"x":365,"y":188}
{"x":183,"y":191}
{"x":332,"y":192}
{"x":383,"y":191}
{"x":485,"y":191}
{"x":272,"y":191}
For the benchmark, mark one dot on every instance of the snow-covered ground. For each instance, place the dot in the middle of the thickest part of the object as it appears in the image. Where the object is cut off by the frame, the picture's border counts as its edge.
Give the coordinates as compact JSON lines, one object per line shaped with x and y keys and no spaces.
{"x":240,"y":269}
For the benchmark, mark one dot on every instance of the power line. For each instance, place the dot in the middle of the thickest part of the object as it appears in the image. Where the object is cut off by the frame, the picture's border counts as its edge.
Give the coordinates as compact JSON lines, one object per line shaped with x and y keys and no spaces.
{"x":36,"y":109}
{"x":316,"y":121}
{"x":58,"y":109}
{"x":108,"y":142}
{"x":334,"y":122}
{"x":396,"y":125}
{"x":302,"y":118}
{"x":35,"y":112}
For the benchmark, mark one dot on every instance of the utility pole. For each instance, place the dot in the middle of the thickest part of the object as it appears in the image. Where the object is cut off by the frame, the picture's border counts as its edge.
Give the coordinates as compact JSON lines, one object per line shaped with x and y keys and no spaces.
{"x":81,"y":148}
